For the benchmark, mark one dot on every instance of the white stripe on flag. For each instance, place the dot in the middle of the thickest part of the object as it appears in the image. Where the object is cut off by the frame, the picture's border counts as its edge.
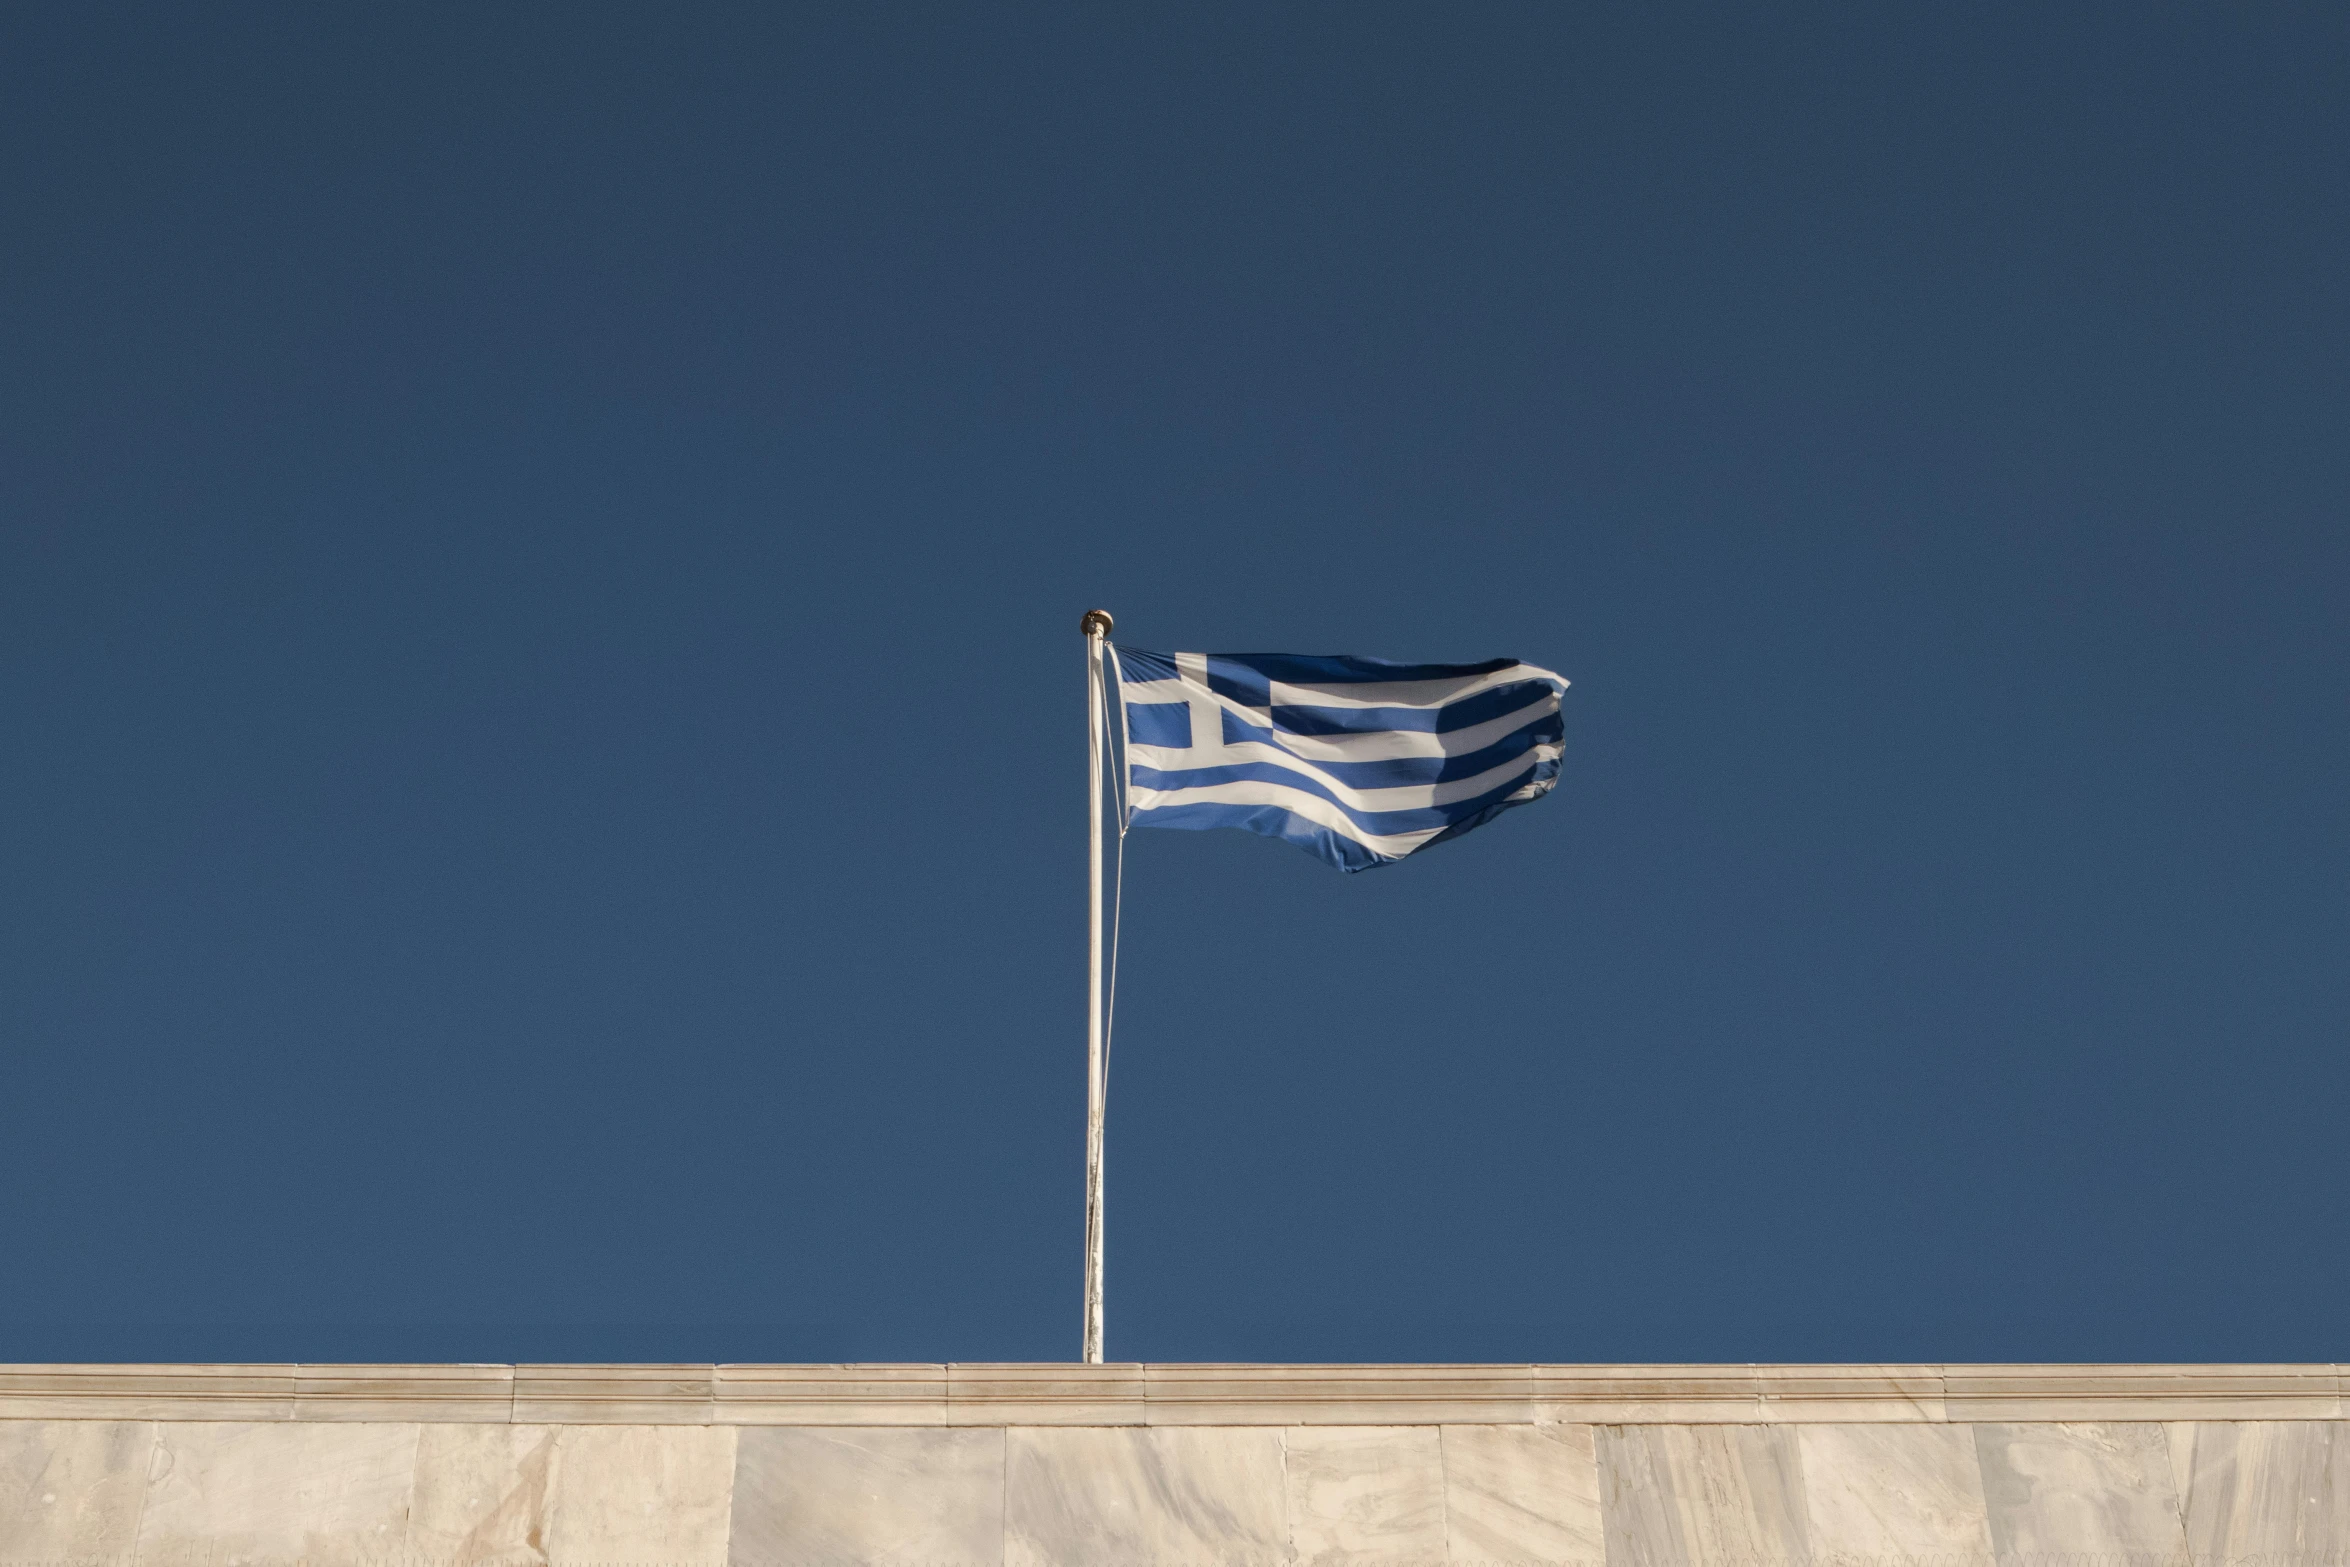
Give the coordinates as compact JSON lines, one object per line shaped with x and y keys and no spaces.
{"x":1402,"y":693}
{"x":1297,"y":802}
{"x":1398,"y":797}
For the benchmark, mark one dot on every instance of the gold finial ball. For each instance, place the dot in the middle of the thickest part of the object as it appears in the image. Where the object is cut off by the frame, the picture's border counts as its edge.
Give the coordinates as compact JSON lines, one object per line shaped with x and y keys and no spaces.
{"x":1096,"y":623}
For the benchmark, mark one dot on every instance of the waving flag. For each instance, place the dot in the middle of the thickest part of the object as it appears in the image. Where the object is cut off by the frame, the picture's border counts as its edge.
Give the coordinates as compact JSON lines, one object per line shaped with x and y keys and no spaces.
{"x":1356,"y":760}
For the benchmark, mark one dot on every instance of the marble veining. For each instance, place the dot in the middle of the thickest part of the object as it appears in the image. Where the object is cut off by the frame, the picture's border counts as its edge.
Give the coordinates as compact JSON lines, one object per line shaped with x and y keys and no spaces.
{"x":868,"y":1494}
{"x":2264,"y":1489}
{"x":324,"y":1492}
{"x":1365,"y":1494}
{"x":2104,"y":1488}
{"x":1674,"y":1495}
{"x":1109,"y":1495}
{"x":640,"y":1493}
{"x":72,"y":1488}
{"x":1875,"y":1491}
{"x":482,"y":1493}
{"x":1522,"y":1493}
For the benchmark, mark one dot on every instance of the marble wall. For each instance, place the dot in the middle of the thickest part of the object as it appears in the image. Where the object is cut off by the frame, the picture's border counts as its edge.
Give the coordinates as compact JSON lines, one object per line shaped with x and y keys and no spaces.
{"x":231,"y":1492}
{"x":1880,"y":1494}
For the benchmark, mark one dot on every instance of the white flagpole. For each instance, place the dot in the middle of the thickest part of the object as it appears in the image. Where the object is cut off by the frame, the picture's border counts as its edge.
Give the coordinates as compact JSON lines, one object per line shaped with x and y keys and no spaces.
{"x":1096,"y":626}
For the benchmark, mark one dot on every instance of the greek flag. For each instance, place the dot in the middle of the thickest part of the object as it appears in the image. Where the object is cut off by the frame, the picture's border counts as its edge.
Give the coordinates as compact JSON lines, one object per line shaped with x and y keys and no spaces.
{"x":1356,"y":760}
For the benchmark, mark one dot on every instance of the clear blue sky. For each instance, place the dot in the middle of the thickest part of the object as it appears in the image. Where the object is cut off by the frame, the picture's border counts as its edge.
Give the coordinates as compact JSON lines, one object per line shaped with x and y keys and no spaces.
{"x":540,"y":802}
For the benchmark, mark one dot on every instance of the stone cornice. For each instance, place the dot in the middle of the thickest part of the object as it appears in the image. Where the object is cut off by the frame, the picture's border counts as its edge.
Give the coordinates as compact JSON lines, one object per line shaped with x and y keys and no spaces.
{"x":1209,"y":1395}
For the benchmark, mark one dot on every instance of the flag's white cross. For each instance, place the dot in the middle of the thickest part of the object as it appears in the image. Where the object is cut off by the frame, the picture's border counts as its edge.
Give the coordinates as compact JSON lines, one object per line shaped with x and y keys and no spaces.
{"x":1207,"y":714}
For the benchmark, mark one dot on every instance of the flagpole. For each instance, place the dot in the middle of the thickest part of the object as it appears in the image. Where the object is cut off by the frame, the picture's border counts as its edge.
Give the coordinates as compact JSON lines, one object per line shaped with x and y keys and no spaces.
{"x":1096,"y":626}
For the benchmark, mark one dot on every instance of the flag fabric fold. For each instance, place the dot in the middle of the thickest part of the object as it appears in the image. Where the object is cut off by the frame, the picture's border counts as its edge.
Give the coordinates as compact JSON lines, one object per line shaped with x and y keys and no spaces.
{"x":1355,"y":760}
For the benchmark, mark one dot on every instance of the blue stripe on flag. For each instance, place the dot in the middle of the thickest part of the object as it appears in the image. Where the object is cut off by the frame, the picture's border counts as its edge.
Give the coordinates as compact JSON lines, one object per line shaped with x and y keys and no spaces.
{"x":1272,"y":821}
{"x":1394,"y":771}
{"x":1477,"y":709}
